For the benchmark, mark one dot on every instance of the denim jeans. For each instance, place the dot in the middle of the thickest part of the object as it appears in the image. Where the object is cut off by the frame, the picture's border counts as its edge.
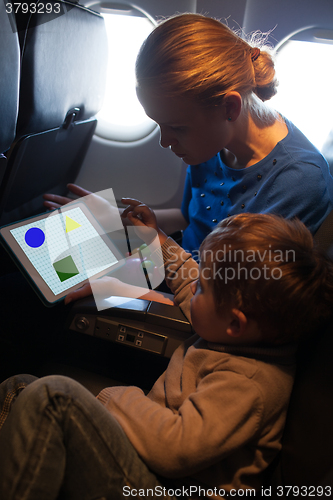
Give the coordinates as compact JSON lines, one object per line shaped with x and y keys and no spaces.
{"x":59,"y":441}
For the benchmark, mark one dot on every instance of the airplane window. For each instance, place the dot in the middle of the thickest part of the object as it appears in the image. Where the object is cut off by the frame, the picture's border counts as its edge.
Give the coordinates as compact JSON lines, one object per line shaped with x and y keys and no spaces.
{"x":122,"y":117}
{"x":305,"y":92}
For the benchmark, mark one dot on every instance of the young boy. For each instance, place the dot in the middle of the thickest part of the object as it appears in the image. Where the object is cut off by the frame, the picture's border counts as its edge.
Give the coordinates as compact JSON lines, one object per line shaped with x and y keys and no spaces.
{"x":213,"y":422}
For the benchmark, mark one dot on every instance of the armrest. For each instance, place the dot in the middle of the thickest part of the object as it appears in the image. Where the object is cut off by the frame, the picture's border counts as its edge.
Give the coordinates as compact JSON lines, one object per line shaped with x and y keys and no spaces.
{"x":142,"y":324}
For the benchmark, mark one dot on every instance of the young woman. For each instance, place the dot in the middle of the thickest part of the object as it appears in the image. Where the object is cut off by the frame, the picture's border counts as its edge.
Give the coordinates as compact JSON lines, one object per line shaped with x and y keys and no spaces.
{"x":206,"y":87}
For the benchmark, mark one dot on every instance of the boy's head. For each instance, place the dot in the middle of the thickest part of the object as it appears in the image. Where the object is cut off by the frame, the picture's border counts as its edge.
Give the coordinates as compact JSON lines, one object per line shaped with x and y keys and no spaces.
{"x":265,"y":278}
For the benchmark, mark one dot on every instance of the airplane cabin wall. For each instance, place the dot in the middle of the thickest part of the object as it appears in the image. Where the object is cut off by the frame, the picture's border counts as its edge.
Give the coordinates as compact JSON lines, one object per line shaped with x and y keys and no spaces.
{"x":140,"y":169}
{"x":287,"y":17}
{"x":231,"y":11}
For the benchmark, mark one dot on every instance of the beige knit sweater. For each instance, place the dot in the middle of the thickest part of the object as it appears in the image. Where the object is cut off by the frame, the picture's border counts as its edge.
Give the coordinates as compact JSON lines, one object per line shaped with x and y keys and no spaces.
{"x":215,"y":417}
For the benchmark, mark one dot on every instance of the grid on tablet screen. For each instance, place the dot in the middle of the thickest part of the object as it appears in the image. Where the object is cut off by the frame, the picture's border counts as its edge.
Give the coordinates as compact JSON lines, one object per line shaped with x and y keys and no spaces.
{"x":81,"y":243}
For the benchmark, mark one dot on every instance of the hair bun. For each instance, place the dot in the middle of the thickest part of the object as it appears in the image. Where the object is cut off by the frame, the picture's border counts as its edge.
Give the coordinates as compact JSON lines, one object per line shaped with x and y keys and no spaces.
{"x":266,"y":81}
{"x":255,"y":53}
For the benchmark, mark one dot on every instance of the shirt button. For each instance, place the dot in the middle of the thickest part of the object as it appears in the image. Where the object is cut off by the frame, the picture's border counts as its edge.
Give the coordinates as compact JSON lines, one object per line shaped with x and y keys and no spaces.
{"x":243,"y":206}
{"x":222,"y":203}
{"x":274,"y":161}
{"x":214,"y":220}
{"x":222,"y":184}
{"x":259,"y":177}
{"x":208,"y":208}
{"x":202,"y":195}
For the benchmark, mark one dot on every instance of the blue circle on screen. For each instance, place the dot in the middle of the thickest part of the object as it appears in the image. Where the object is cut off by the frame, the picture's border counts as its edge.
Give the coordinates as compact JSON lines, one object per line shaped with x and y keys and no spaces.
{"x":34,"y":237}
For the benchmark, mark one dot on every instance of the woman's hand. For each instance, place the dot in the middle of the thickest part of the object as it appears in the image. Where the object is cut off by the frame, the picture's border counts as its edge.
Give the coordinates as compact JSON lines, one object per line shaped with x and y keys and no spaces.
{"x":105,"y":211}
{"x":53,"y":201}
{"x":141,"y":216}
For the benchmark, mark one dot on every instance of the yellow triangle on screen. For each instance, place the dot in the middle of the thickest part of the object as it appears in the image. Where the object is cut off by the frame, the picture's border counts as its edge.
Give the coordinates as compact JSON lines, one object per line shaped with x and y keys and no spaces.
{"x":71,"y":224}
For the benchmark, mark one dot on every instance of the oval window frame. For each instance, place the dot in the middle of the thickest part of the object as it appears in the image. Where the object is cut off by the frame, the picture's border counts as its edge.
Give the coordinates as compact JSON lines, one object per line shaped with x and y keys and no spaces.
{"x":119,"y":132}
{"x":314,"y":35}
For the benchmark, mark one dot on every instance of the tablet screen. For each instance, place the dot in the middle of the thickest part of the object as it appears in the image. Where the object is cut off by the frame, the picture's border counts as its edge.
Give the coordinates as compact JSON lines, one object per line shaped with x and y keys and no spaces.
{"x":65,"y":247}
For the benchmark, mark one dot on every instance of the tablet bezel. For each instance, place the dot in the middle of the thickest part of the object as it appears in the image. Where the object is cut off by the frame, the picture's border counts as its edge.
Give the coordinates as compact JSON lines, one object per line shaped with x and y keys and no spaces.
{"x":39,"y":285}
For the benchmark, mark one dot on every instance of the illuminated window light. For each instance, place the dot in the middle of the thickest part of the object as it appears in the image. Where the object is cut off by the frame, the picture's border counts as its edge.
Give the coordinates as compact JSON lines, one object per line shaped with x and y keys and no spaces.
{"x":305,"y":97}
{"x":122,"y":117}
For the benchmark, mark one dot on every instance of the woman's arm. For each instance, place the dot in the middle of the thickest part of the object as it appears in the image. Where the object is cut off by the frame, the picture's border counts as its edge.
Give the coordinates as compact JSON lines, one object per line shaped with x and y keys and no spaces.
{"x":168,"y":219}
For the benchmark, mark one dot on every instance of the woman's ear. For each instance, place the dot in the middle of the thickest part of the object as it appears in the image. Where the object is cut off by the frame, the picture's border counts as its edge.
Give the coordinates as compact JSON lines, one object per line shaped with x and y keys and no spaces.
{"x":238,"y":323}
{"x":233,"y":105}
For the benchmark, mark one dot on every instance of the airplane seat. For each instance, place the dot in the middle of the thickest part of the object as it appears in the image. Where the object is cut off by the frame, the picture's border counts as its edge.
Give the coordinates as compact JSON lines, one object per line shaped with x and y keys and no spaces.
{"x":133,"y":340}
{"x":9,"y":82}
{"x":306,"y":458}
{"x":63,"y":74}
{"x":324,"y":236}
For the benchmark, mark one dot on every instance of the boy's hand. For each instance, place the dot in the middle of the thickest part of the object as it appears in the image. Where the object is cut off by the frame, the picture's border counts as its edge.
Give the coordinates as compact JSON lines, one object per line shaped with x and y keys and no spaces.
{"x":82,"y":292}
{"x":110,"y":286}
{"x":102,"y":288}
{"x":141,"y":215}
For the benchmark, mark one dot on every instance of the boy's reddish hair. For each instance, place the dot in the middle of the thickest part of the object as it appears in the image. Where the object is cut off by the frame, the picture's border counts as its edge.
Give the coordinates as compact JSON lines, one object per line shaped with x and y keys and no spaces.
{"x":279,"y":278}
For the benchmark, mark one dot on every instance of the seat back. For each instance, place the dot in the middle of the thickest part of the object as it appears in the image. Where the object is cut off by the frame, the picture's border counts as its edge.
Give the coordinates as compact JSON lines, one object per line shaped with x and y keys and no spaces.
{"x":63,"y":74}
{"x":306,"y":458}
{"x":9,"y":77}
{"x":324,"y":236}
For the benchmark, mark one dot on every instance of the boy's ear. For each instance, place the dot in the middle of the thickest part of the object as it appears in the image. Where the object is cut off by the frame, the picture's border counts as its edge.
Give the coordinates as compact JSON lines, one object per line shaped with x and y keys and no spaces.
{"x":238,"y":323}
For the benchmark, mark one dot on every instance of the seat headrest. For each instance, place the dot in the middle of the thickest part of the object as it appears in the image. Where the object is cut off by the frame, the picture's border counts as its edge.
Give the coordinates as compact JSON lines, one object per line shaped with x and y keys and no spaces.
{"x":9,"y":77}
{"x":64,"y":64}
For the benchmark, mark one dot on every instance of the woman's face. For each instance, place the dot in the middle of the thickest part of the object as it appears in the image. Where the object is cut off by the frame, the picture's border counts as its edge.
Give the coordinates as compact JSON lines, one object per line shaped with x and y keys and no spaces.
{"x":193,"y":132}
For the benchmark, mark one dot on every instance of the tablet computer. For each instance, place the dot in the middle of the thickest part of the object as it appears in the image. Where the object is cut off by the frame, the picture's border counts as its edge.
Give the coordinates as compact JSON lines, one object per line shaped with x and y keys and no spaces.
{"x":61,"y":250}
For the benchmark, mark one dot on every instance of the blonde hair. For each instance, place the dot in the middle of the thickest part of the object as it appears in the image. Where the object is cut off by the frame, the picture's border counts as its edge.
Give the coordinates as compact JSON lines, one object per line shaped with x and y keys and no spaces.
{"x":200,"y":57}
{"x":279,"y":278}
